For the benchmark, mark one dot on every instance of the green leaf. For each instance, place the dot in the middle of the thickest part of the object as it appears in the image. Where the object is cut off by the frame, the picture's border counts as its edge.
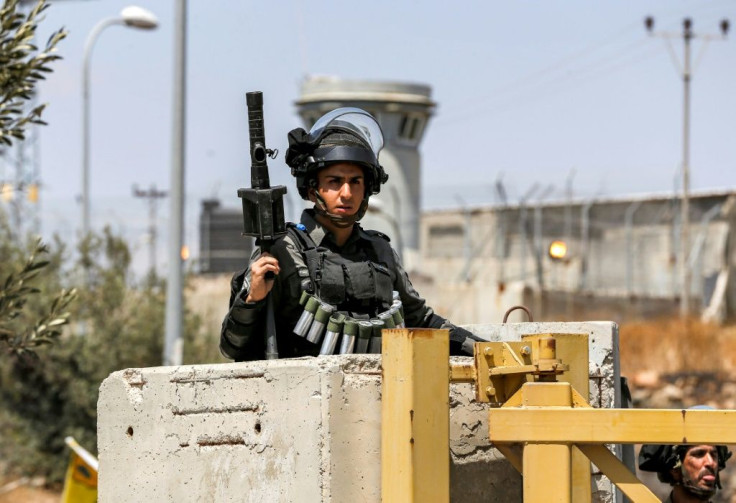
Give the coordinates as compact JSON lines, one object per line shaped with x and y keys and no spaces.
{"x":38,"y":265}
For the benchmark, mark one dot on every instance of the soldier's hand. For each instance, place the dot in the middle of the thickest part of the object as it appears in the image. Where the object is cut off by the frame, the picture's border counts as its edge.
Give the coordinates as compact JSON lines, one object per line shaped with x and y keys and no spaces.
{"x":259,"y":285}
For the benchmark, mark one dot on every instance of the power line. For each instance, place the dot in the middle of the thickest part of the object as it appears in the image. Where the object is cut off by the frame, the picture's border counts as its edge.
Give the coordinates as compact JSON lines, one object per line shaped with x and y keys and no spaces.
{"x":534,"y":76}
{"x":563,"y":72}
{"x":562,"y":84}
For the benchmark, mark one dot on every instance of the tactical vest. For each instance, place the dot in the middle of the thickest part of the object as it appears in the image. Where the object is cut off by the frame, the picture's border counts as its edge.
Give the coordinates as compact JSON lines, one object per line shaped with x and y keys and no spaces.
{"x":360,"y":288}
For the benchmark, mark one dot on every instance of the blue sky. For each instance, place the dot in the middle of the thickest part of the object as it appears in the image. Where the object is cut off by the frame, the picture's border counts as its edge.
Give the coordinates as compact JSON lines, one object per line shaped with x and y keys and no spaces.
{"x":531,"y":91}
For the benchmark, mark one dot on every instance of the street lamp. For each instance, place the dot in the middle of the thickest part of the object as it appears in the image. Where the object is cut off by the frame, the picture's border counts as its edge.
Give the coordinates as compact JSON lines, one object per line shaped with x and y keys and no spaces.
{"x":133,"y":17}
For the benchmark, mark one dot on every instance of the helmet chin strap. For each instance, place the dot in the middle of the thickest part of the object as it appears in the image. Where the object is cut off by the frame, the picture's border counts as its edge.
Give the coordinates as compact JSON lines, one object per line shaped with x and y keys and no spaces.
{"x":339,"y":221}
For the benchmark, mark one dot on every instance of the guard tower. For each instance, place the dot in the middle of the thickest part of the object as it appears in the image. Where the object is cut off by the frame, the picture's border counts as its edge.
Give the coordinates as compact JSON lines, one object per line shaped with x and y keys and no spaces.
{"x":403,"y":111}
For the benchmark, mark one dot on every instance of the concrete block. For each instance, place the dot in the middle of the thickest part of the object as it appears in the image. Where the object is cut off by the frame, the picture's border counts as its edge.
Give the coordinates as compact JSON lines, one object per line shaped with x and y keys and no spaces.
{"x":304,"y":429}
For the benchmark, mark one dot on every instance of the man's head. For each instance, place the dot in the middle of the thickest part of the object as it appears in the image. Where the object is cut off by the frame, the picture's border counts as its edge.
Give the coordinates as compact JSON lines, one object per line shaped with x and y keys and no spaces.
{"x":698,"y":469}
{"x":345,"y":136}
{"x":691,"y":468}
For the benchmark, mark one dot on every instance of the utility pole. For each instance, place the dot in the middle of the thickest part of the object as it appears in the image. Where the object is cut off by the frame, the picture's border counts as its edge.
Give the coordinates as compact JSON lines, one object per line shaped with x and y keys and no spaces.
{"x":502,"y":232}
{"x":153,"y":196}
{"x":685,"y":71}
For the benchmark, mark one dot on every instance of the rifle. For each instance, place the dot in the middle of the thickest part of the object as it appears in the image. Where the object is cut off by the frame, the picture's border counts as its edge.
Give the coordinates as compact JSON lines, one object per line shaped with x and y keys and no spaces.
{"x":263,"y":205}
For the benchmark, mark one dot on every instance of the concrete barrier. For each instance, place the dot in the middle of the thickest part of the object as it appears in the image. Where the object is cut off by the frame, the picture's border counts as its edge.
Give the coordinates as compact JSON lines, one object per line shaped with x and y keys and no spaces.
{"x":306,"y":429}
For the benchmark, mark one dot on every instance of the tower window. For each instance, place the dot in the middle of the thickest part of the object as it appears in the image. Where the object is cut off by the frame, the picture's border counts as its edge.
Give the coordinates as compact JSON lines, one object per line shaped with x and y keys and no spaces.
{"x":410,"y":127}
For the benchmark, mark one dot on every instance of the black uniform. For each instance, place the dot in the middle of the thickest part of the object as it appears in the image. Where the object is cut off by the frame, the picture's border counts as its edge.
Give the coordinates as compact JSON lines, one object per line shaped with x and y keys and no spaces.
{"x":358,"y":278}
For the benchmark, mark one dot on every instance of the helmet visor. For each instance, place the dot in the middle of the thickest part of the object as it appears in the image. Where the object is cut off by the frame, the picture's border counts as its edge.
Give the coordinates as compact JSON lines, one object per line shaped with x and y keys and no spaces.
{"x":351,"y":120}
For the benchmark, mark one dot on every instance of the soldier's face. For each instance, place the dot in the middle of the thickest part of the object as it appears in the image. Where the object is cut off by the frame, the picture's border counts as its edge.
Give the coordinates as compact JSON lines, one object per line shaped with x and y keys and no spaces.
{"x":699,"y":467}
{"x":342,"y":187}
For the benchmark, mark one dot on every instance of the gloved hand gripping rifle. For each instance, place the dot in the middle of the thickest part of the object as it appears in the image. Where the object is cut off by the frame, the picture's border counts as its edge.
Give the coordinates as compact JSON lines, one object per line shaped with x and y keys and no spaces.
{"x":263,"y":205}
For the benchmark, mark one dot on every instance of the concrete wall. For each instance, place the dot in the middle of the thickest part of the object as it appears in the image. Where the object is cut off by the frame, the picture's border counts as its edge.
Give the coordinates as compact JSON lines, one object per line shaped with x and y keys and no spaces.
{"x":618,"y":249}
{"x":297,"y":430}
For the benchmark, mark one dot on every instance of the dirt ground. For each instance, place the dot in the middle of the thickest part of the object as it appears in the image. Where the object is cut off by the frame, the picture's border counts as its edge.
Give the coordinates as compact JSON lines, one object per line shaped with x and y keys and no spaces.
{"x":30,"y":495}
{"x":670,"y":345}
{"x":13,"y":490}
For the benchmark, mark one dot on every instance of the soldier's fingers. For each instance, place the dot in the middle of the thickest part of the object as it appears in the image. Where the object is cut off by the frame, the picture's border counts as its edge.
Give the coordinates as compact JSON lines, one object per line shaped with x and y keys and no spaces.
{"x":267,"y":259}
{"x":263,"y":268}
{"x":270,"y":264}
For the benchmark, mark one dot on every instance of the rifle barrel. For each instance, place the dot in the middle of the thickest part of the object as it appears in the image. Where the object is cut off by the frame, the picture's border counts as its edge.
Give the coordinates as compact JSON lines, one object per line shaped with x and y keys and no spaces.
{"x":259,"y":168}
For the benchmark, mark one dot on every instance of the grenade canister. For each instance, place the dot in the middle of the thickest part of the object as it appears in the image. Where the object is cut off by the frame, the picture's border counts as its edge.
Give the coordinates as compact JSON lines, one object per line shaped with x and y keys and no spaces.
{"x":349,"y":334}
{"x":388,"y":319}
{"x":305,"y":320}
{"x":398,"y":319}
{"x":304,"y":298}
{"x":400,"y":307}
{"x":364,"y":336}
{"x":376,"y":336}
{"x":324,"y":311}
{"x":334,"y":327}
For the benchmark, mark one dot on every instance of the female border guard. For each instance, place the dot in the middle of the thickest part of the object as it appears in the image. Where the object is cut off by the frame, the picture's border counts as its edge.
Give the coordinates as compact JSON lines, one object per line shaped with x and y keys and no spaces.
{"x":331,"y":278}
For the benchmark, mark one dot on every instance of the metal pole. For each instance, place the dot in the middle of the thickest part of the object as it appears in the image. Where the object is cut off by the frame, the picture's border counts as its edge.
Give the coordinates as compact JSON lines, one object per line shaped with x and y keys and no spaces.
{"x":547,"y":467}
{"x":522,"y":228}
{"x":501,"y":233}
{"x":173,"y":338}
{"x":538,"y":246}
{"x":585,"y":245}
{"x":152,"y":195}
{"x":522,"y":239}
{"x":628,"y":229}
{"x":89,"y":44}
{"x":698,"y":250}
{"x":152,"y":231}
{"x":467,"y":251}
{"x":415,"y":437}
{"x":675,"y":242}
{"x":685,"y":272}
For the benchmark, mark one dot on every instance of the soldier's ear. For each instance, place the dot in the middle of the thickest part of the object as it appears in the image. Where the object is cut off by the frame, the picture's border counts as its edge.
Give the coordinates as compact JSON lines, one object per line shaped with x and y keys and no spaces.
{"x":311,"y":194}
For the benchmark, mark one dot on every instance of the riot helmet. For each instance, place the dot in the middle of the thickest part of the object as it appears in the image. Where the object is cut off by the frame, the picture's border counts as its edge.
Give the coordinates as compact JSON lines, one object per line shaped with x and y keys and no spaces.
{"x":342,"y":135}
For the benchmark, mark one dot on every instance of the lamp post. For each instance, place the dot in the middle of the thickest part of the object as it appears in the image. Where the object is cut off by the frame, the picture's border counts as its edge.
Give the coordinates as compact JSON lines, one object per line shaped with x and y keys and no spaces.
{"x":174,"y":323}
{"x":133,"y":17}
{"x":686,"y":73}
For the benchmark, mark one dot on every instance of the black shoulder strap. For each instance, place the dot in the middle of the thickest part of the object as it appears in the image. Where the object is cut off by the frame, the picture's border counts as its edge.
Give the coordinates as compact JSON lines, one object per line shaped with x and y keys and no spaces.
{"x":307,"y":248}
{"x":300,"y":236}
